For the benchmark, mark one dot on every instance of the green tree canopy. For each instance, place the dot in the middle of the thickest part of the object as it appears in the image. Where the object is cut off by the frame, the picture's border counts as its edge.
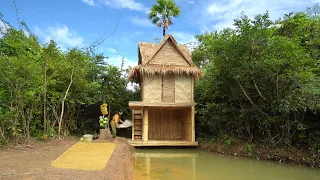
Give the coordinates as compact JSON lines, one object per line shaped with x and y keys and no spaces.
{"x":261,"y":80}
{"x":162,"y":12}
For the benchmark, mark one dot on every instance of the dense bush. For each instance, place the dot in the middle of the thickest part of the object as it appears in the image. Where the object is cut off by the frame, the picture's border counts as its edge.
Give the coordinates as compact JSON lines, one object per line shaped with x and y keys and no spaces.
{"x":66,"y":86}
{"x":261,"y":81}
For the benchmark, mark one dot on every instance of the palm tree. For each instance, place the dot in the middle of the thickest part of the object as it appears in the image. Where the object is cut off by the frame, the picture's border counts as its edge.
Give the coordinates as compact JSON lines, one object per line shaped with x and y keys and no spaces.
{"x":161,"y":13}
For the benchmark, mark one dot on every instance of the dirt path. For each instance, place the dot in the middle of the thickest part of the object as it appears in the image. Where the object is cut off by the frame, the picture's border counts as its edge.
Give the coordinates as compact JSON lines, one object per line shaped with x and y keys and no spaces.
{"x":33,"y":161}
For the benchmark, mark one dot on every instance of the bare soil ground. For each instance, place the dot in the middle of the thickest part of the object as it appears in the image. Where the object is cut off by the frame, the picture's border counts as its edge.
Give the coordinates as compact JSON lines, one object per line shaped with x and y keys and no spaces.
{"x":33,"y":161}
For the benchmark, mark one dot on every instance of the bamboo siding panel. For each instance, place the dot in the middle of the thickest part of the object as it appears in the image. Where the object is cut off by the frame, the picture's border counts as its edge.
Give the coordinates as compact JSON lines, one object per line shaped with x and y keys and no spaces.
{"x":152,"y":89}
{"x":166,"y":124}
{"x":168,"y":89}
{"x":183,"y":89}
{"x":169,"y":55}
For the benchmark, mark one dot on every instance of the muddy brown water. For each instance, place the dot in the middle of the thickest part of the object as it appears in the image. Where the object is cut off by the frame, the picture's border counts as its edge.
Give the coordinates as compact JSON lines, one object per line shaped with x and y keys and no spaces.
{"x":195,"y":164}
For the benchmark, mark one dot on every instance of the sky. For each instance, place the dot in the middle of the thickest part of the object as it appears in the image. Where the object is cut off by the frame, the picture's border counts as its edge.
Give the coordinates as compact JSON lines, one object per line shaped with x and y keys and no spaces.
{"x":124,"y":23}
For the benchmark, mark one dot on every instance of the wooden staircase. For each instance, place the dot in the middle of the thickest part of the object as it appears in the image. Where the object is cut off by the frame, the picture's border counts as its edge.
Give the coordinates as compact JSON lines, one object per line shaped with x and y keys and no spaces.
{"x":137,"y":116}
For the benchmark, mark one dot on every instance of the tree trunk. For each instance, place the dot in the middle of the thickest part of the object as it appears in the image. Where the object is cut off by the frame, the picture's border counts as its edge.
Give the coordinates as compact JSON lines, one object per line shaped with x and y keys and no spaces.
{"x":164,"y":31}
{"x":62,"y":103}
{"x":45,"y":100}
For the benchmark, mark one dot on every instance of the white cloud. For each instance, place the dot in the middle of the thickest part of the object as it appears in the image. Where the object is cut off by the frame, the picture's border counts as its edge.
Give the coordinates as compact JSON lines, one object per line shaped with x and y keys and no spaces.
{"x":121,"y":4}
{"x":216,"y":15}
{"x":141,"y":22}
{"x":116,"y":60}
{"x":112,"y":50}
{"x":62,"y":35}
{"x":129,"y":4}
{"x":191,"y":2}
{"x":183,"y":37}
{"x":89,"y":2}
{"x":3,"y":28}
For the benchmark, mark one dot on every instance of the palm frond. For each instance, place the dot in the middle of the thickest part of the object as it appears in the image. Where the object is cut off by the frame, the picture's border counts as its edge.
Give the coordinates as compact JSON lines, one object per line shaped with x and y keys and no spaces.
{"x":162,"y":11}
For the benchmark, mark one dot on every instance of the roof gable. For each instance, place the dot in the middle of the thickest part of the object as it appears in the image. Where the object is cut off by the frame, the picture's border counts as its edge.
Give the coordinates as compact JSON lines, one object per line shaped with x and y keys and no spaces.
{"x":147,"y":51}
{"x":168,"y":55}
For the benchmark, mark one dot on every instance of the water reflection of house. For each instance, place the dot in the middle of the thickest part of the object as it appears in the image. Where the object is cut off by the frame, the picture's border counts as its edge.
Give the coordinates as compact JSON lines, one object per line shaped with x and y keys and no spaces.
{"x":165,"y":116}
{"x":157,"y":165}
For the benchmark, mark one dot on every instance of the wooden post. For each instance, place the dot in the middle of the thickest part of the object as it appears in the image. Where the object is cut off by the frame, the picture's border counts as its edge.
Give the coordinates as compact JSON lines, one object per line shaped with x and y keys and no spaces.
{"x":132,"y":125}
{"x":109,"y":112}
{"x":192,"y":89}
{"x":193,"y":139}
{"x":145,"y":125}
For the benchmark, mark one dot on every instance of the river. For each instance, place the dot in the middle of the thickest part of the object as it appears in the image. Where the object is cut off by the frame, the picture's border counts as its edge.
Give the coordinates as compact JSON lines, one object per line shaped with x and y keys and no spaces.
{"x":197,"y":164}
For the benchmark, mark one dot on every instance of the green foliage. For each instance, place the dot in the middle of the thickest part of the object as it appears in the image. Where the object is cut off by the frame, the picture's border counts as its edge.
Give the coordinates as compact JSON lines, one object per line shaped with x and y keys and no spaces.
{"x":33,"y":75}
{"x":228,"y":142}
{"x":162,"y":12}
{"x":262,"y":81}
{"x":250,"y":149}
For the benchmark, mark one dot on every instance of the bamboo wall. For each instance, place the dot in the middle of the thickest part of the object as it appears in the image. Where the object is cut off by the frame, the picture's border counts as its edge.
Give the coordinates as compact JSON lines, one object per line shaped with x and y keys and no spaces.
{"x":183,"y":89}
{"x":167,"y":88}
{"x":152,"y":91}
{"x":168,"y":55}
{"x":169,"y":124}
{"x":168,"y":85}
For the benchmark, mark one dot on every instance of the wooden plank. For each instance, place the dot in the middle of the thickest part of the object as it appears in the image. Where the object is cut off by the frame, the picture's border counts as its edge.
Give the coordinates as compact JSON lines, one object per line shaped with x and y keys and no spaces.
{"x":138,"y":121}
{"x":137,"y":116}
{"x":138,"y":112}
{"x":137,"y":138}
{"x":162,"y":143}
{"x":133,"y":124}
{"x":138,"y":126}
{"x":166,"y":155}
{"x":145,"y":125}
{"x":140,"y":104}
{"x":137,"y":132}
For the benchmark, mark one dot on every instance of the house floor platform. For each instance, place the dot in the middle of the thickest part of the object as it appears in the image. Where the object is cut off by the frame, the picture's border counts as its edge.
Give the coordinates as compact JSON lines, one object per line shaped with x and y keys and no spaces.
{"x":138,"y":143}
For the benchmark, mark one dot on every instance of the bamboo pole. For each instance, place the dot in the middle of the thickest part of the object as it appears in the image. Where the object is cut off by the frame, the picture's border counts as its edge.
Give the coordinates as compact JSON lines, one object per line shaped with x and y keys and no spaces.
{"x":193,"y":139}
{"x":132,"y":125}
{"x":145,"y":125}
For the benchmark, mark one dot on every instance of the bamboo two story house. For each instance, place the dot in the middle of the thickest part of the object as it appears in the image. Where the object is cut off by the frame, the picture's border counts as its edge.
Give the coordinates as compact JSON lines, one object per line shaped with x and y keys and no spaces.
{"x":165,"y":114}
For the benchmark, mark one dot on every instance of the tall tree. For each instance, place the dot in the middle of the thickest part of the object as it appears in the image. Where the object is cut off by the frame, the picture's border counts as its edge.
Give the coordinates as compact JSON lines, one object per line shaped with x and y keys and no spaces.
{"x":162,"y":12}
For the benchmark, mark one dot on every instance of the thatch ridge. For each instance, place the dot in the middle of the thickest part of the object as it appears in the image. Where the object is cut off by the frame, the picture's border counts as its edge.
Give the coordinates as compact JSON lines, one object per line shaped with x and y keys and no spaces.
{"x":146,"y":51}
{"x":151,"y":70}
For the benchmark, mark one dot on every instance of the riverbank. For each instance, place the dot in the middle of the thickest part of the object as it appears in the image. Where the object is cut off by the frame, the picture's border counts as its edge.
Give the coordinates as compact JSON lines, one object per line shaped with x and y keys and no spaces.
{"x":260,"y":152}
{"x":33,"y":161}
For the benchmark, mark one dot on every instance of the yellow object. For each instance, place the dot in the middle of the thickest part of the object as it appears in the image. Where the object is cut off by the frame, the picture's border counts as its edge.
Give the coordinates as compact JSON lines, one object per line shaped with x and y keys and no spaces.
{"x":104,"y":109}
{"x":85,"y":156}
{"x":116,"y":118}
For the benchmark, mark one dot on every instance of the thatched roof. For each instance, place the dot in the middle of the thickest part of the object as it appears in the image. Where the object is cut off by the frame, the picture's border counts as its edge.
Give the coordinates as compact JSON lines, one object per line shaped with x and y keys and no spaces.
{"x":147,"y":51}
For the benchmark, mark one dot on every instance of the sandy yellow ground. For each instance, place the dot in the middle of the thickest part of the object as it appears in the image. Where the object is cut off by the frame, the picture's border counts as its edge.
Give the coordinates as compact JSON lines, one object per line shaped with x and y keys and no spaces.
{"x":85,"y":156}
